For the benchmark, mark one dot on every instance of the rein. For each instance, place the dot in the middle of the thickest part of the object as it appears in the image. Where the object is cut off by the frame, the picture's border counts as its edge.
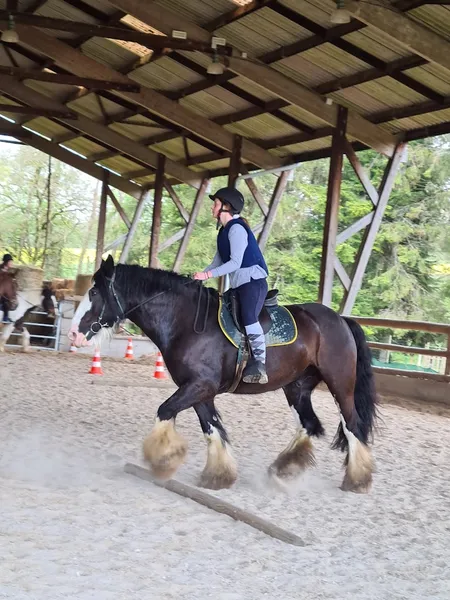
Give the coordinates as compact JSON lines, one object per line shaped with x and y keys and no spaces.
{"x":96,"y":326}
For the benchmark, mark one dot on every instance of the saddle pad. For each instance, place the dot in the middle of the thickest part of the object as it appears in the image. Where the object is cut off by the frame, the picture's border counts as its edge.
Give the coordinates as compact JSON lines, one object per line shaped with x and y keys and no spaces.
{"x":282,"y":332}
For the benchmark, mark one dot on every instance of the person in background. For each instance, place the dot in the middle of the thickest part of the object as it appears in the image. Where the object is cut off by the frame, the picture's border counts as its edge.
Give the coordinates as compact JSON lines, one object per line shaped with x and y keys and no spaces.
{"x":239,"y":256}
{"x":4,"y":268}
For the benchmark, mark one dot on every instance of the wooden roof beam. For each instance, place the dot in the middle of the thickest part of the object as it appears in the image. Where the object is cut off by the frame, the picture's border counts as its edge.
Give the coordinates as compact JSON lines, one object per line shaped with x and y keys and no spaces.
{"x":148,"y":40}
{"x":82,"y":65}
{"x":99,"y":132}
{"x":67,"y":79}
{"x":37,"y":112}
{"x":333,"y":36}
{"x":268,"y":79}
{"x":236,"y":14}
{"x":403,"y":31}
{"x":36,"y":141}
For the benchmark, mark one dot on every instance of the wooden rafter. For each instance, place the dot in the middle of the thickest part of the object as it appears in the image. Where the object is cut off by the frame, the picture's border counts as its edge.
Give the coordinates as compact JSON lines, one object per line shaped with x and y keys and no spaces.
{"x":82,"y":65}
{"x":165,"y":20}
{"x":103,"y":134}
{"x":403,"y":30}
{"x":69,"y":158}
{"x":127,"y":34}
{"x":65,"y":79}
{"x":236,"y":14}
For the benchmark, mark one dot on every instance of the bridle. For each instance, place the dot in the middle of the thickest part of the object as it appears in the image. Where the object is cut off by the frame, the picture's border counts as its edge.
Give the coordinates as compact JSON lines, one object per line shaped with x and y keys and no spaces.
{"x":97,"y":325}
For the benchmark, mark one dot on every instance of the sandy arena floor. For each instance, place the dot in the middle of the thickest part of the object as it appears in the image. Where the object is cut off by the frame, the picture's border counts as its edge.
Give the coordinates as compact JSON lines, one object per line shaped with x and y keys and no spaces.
{"x":73,"y":525}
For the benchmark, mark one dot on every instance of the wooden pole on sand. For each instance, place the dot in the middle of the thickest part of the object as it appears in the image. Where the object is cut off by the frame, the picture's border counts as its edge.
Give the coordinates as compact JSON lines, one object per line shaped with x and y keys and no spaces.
{"x":220,"y":506}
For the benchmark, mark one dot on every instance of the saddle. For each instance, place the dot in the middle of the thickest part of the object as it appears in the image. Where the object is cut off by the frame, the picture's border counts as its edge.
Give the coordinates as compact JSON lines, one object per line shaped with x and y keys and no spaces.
{"x":276,"y":321}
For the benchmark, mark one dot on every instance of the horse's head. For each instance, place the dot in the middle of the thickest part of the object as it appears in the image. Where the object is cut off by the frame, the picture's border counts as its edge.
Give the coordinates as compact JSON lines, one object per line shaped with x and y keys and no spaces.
{"x":99,"y":309}
{"x":8,"y":289}
{"x":48,"y":300}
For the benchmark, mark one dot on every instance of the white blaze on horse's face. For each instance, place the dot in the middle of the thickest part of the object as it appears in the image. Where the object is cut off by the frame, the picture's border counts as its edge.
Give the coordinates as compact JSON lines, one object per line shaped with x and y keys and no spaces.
{"x":77,"y":338}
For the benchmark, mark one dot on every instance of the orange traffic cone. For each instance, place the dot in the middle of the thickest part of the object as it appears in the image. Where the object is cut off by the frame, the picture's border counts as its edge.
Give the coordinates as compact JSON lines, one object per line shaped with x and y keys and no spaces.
{"x":129,"y":353}
{"x":159,"y":368}
{"x":96,"y":368}
{"x":72,"y":348}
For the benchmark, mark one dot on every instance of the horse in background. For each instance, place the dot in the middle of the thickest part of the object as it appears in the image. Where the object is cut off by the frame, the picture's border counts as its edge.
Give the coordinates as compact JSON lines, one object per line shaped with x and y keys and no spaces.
{"x":328,"y":348}
{"x":8,"y":290}
{"x":23,"y":313}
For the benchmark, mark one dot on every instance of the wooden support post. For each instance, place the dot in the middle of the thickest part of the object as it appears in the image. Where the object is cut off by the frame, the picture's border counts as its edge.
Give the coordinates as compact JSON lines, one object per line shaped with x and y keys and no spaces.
{"x":134,"y":224}
{"x":255,"y":192}
{"x":172,"y":193}
{"x":101,"y":221}
{"x":365,"y":250}
{"x":235,"y":161}
{"x":190,"y":226}
{"x":332,"y":209}
{"x":119,"y":208}
{"x":176,"y":237}
{"x":447,"y":358}
{"x":278,"y":192}
{"x":157,"y":206}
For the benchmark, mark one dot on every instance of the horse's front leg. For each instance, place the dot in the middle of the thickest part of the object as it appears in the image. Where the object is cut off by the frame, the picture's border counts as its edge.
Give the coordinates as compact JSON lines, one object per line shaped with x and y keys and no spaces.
{"x":220,"y":470}
{"x":5,"y":335}
{"x":165,"y":449}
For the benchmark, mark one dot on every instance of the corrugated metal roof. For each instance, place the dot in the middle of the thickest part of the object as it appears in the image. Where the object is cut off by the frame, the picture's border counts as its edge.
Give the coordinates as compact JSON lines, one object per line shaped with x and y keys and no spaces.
{"x":257,"y":33}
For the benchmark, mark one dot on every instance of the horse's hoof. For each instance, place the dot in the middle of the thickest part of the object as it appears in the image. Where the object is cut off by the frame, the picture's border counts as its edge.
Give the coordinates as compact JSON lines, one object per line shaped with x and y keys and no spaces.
{"x":297,"y":457}
{"x":288,"y":471}
{"x":357,"y":487}
{"x":217,"y":481}
{"x":164,"y":449}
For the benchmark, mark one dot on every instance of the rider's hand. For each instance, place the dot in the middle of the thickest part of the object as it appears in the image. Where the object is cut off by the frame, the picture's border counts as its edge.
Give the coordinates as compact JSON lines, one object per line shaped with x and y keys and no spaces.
{"x":201,"y":276}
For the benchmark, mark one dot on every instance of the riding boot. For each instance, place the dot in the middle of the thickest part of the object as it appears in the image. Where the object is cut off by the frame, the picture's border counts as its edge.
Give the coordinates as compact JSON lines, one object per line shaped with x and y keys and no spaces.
{"x":6,"y":318}
{"x":255,"y":371}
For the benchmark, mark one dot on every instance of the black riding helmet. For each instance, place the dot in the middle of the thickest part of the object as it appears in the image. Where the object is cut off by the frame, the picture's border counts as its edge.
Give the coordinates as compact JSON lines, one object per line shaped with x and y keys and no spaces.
{"x":7,"y":258}
{"x":231,"y":196}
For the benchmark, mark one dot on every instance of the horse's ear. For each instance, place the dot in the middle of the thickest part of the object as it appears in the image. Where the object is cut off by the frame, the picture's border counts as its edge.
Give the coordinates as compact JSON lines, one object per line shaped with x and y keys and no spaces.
{"x":107,"y":266}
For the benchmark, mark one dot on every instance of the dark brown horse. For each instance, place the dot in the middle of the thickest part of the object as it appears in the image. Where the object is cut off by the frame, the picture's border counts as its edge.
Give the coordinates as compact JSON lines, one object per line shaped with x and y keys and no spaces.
{"x":329,"y":348}
{"x":8,"y":290}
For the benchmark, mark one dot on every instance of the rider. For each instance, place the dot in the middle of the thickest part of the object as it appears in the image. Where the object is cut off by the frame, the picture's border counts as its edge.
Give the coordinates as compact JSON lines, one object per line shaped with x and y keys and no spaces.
{"x":4,"y":268}
{"x":238,"y":255}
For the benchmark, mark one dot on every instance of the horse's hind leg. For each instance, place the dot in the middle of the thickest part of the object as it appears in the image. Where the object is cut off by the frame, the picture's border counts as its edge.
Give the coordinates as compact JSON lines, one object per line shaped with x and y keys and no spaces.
{"x":299,"y":455}
{"x":351,"y":436}
{"x":220,"y":470}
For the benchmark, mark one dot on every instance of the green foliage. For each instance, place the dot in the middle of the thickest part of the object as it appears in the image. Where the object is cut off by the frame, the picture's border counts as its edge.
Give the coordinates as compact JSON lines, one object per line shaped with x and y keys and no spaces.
{"x":408,"y":275}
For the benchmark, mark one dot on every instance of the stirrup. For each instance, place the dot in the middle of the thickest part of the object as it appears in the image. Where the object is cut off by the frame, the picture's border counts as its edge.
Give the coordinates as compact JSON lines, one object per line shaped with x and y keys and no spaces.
{"x":255,"y":372}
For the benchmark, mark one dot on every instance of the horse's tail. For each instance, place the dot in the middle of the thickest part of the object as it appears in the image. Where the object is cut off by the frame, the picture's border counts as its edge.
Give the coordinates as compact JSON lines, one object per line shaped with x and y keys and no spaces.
{"x":365,"y":393}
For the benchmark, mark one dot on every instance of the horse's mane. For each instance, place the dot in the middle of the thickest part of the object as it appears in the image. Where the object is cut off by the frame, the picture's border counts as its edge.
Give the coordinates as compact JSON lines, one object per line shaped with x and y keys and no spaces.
{"x":134,"y":278}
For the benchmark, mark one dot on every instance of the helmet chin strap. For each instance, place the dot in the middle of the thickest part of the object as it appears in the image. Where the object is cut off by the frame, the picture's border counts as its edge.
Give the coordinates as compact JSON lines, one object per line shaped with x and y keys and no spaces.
{"x":222,"y":210}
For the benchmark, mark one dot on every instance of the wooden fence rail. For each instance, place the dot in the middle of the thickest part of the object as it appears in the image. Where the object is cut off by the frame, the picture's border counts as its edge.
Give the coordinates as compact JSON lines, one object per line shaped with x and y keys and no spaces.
{"x":441,"y":328}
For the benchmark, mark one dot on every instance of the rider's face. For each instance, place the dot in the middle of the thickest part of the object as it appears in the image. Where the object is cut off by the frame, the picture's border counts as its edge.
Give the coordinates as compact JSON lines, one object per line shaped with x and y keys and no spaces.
{"x":217,"y":205}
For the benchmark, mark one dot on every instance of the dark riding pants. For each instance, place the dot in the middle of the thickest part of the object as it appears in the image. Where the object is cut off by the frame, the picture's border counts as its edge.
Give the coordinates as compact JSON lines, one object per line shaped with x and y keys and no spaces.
{"x":251,"y":299}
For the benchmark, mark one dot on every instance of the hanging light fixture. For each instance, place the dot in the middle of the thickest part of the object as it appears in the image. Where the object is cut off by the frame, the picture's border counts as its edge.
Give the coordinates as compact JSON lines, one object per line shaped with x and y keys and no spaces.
{"x":340,"y":15}
{"x":10,"y":35}
{"x":215,"y":67}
